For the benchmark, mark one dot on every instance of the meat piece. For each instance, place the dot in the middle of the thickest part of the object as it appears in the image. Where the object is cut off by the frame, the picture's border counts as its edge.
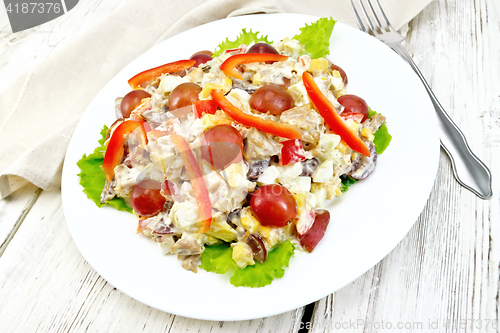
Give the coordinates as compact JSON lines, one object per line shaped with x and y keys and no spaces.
{"x":136,"y":156}
{"x":187,"y":246}
{"x":260,"y":145}
{"x":108,"y":192}
{"x":362,"y":166}
{"x":244,"y":86}
{"x":161,"y":228}
{"x":307,"y":120}
{"x":189,"y":262}
{"x":374,"y":122}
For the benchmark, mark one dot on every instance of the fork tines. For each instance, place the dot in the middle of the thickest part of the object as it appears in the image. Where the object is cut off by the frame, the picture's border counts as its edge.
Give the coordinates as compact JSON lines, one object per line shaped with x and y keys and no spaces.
{"x":372,"y":17}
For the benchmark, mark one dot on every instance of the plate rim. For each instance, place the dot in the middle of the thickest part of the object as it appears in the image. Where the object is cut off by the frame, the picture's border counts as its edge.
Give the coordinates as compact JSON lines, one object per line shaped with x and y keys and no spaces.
{"x":67,"y":178}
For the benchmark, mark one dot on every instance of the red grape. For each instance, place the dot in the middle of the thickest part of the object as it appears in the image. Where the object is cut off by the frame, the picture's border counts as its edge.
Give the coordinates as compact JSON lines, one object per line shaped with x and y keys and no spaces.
{"x":311,"y":237}
{"x":273,"y":205}
{"x":146,"y":198}
{"x":354,"y":104}
{"x":200,"y":58}
{"x":222,"y":146}
{"x":184,"y":94}
{"x":258,"y":247}
{"x":273,"y":98}
{"x":262,"y":48}
{"x":131,"y":100}
{"x":210,"y":53}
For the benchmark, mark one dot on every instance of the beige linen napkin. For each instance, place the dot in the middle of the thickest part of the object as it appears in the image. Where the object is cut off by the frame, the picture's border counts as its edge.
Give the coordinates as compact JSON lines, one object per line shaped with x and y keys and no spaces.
{"x":40,"y":108}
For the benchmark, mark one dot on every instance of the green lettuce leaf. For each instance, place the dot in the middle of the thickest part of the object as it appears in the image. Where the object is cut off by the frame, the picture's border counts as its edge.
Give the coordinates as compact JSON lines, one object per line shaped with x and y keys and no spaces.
{"x":316,"y":37}
{"x":382,"y":136}
{"x":92,"y":176}
{"x":218,"y":259}
{"x":346,"y":181}
{"x":243,"y":38}
{"x":260,"y":275}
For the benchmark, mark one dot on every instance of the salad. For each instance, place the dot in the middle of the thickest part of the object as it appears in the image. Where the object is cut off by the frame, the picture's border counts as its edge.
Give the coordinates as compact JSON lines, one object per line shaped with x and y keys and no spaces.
{"x":229,"y":158}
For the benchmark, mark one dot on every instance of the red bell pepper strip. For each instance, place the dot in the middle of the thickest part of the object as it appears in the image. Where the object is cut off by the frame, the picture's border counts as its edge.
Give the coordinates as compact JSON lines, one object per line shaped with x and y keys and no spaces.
{"x":332,"y":118}
{"x":292,"y":152}
{"x":268,"y":126}
{"x":114,"y":151}
{"x":239,"y":49}
{"x":144,"y":78}
{"x":197,"y":182}
{"x":204,"y":106}
{"x":229,"y":65}
{"x":356,"y":116}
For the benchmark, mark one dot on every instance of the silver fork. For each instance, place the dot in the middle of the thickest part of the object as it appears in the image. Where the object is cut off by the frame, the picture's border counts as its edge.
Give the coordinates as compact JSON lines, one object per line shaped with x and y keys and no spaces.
{"x":468,"y":169}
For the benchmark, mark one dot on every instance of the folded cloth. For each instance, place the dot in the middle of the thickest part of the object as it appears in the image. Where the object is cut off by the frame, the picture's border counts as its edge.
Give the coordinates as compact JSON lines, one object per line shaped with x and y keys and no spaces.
{"x":40,"y":108}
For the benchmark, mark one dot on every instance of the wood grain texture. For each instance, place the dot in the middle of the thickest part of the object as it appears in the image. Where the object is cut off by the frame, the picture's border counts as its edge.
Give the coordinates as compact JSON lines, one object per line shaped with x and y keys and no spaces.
{"x":13,"y":210}
{"x":47,"y":286}
{"x":447,"y":268}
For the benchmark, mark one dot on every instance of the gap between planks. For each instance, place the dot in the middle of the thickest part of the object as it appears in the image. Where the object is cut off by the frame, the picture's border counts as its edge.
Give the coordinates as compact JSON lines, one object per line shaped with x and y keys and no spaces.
{"x":26,"y":193}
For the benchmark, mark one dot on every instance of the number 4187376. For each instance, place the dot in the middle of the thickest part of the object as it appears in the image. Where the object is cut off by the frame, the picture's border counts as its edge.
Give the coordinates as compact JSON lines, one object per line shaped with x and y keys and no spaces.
{"x":34,"y":7}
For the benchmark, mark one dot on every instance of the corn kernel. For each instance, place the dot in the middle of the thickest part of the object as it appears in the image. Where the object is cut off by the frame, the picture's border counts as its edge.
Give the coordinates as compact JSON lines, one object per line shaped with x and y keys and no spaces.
{"x":205,"y":93}
{"x":366,"y":133}
{"x":271,"y":235}
{"x":228,"y":83}
{"x":211,"y":120}
{"x":249,"y":221}
{"x":318,"y":65}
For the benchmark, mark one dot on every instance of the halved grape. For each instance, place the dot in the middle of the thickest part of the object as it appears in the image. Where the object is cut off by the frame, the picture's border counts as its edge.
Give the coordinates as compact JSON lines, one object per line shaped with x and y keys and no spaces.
{"x":273,"y":205}
{"x":273,"y":98}
{"x":354,"y":104}
{"x":146,"y":198}
{"x":258,"y":247}
{"x":312,"y":237}
{"x":131,"y":100}
{"x":262,"y":48}
{"x":341,"y":71}
{"x":183,"y":95}
{"x":201,"y":58}
{"x":222,"y":145}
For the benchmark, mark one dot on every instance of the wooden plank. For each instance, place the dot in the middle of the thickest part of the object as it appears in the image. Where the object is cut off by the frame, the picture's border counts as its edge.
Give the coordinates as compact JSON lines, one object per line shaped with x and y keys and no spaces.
{"x":47,"y":286}
{"x":446,"y":269}
{"x":13,"y":210}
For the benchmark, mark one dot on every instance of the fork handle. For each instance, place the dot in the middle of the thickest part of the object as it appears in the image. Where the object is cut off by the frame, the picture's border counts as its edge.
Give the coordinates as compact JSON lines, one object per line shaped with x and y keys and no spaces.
{"x":468,"y":169}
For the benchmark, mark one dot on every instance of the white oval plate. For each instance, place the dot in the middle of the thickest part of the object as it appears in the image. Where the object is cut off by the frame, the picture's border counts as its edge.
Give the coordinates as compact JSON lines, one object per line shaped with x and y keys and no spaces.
{"x":367,"y":222}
